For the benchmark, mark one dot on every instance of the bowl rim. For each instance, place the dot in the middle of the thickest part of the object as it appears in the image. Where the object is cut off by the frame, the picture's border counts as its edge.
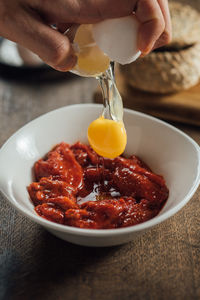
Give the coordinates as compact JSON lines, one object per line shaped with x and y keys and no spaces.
{"x":104,"y":232}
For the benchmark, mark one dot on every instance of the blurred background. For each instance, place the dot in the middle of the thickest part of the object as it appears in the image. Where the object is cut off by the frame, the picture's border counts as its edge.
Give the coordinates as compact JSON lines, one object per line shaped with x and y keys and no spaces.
{"x":162,"y":264}
{"x":164,"y":84}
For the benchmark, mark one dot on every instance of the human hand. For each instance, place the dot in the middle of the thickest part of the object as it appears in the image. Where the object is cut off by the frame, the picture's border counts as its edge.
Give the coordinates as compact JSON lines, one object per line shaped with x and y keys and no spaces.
{"x":27,"y":22}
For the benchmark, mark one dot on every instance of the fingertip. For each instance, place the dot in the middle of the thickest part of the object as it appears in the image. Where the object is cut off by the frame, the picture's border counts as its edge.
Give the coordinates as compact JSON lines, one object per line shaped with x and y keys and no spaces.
{"x":163,"y":40}
{"x":145,"y":42}
{"x":152,"y":24}
{"x":149,"y":33}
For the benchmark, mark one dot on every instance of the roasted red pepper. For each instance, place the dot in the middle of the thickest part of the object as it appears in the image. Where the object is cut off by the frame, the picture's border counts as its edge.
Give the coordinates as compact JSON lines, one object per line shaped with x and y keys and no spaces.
{"x":76,"y":187}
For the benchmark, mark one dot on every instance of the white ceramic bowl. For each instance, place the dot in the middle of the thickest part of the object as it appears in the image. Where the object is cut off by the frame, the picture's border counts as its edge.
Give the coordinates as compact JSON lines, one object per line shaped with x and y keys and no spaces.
{"x":167,"y":150}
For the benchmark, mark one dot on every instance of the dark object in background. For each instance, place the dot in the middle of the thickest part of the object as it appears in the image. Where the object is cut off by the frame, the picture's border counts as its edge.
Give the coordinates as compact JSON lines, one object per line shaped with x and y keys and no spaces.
{"x":13,"y":67}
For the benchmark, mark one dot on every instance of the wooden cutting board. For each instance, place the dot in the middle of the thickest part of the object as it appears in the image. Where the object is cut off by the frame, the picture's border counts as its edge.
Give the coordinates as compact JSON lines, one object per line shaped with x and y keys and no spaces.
{"x":181,"y":107}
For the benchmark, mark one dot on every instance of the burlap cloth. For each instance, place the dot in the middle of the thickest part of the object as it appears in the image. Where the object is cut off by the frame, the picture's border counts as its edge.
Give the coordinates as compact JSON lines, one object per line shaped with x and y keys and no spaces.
{"x":161,"y":264}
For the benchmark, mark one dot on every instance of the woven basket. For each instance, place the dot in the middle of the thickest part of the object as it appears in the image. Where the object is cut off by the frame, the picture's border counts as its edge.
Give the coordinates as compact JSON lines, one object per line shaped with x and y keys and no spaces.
{"x":175,"y":67}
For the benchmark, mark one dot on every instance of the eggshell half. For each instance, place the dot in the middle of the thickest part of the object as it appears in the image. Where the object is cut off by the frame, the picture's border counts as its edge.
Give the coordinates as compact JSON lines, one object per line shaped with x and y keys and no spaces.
{"x":117,"y":38}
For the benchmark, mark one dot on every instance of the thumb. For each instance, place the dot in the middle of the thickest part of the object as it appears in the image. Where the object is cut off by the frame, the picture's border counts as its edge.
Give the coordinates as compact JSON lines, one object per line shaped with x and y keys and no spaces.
{"x":50,"y":45}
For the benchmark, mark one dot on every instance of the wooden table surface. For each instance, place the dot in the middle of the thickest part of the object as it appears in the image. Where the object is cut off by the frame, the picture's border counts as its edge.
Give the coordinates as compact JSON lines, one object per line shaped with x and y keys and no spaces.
{"x":163,"y":263}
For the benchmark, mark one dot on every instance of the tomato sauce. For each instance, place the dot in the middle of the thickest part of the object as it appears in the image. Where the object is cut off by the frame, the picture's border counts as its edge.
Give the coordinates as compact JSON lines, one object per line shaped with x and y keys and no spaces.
{"x":76,"y":187}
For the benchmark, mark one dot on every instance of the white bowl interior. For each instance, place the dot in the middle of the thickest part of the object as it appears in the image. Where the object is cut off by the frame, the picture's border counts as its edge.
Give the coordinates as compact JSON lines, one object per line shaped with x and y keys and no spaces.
{"x":165,"y":149}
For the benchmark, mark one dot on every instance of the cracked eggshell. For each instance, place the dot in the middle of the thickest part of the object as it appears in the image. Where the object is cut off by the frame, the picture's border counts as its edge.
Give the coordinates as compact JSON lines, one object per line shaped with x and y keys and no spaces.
{"x":117,"y":38}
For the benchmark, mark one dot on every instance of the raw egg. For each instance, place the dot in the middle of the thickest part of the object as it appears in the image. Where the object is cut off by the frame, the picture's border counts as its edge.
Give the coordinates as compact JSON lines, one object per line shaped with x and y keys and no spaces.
{"x":107,"y":137}
{"x":110,"y":40}
{"x":96,"y":45}
{"x":91,"y":60}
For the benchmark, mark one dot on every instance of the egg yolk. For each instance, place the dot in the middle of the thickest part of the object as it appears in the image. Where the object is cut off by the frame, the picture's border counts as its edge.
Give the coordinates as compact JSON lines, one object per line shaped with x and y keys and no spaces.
{"x":107,"y":137}
{"x":91,"y":60}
